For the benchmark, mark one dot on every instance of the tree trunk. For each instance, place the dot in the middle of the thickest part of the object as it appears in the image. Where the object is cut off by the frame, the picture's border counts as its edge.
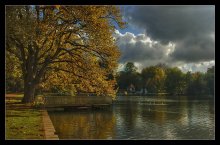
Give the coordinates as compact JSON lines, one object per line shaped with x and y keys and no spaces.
{"x":29,"y":91}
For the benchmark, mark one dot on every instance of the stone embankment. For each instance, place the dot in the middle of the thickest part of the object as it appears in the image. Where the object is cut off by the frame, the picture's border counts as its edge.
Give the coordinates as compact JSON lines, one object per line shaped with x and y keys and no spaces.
{"x":49,"y":130}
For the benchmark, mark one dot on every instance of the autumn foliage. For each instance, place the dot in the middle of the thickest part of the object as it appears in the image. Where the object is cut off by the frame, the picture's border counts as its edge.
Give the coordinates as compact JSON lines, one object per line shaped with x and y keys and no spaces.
{"x":63,"y":46}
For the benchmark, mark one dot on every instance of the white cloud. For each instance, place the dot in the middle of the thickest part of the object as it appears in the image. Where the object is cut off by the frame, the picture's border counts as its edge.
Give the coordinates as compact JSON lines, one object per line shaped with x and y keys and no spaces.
{"x":144,"y":51}
{"x":194,"y":67}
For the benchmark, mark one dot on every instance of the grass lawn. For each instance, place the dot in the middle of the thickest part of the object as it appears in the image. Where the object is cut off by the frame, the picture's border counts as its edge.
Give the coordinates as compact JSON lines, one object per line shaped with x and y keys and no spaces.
{"x":22,"y":121}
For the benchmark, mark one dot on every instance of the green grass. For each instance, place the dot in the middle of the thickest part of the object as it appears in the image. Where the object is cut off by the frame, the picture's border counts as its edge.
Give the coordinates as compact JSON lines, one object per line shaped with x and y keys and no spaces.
{"x":22,"y":121}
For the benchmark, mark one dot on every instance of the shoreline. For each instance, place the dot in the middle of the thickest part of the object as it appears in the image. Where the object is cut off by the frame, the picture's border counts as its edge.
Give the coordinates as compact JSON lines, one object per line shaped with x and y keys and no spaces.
{"x":49,"y":130}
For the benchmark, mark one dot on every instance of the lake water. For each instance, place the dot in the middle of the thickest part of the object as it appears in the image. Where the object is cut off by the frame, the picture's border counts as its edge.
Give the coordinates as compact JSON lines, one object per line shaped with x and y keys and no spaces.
{"x":132,"y":117}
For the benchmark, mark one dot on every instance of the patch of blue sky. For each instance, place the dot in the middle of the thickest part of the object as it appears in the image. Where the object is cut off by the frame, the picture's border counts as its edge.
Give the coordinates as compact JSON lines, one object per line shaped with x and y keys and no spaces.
{"x":132,"y":29}
{"x":129,"y":27}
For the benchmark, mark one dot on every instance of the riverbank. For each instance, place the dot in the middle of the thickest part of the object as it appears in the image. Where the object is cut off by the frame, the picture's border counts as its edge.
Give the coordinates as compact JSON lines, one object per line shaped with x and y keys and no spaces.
{"x":21,"y":120}
{"x":49,"y":131}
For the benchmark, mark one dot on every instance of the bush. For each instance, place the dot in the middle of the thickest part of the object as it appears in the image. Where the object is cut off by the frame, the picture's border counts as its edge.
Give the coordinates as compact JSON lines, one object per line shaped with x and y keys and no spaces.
{"x":39,"y":102}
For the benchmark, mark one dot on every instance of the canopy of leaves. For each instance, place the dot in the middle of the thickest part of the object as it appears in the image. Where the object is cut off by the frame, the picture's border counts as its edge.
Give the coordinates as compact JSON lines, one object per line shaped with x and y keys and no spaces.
{"x":163,"y":79}
{"x":154,"y":78}
{"x":63,"y":45}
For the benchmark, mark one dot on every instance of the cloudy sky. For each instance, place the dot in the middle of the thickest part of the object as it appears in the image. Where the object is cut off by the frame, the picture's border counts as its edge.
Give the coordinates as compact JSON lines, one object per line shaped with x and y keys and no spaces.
{"x":182,"y":36}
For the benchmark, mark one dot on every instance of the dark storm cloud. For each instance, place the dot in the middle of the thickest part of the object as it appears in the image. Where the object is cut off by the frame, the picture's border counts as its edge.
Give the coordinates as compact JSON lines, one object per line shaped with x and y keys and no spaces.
{"x":144,"y":52}
{"x":190,"y":28}
{"x":194,"y":49}
{"x":139,"y":48}
{"x":139,"y":51}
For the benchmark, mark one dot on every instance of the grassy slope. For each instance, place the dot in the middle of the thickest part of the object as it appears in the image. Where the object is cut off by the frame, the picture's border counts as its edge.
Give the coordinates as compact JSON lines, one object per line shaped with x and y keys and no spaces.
{"x":22,"y":121}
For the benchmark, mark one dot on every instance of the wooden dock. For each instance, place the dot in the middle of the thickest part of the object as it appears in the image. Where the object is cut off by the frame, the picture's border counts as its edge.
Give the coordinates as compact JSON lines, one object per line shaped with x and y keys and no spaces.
{"x":77,"y":101}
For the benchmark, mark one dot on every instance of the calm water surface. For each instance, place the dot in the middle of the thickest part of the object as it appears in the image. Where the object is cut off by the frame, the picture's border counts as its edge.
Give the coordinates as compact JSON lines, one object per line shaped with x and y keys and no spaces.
{"x":133,"y":118}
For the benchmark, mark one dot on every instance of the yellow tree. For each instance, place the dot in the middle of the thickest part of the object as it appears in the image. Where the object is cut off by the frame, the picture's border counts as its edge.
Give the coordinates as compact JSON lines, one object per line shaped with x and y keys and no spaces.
{"x":154,"y":78}
{"x":63,"y":45}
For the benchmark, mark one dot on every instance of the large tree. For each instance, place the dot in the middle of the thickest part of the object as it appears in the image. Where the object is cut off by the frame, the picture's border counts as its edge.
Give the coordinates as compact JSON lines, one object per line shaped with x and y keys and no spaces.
{"x":153,"y":78}
{"x":175,"y":83}
{"x":129,"y":76}
{"x":63,"y":45}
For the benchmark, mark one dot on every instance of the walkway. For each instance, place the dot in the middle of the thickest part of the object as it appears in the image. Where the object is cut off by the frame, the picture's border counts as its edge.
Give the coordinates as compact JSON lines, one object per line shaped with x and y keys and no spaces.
{"x":48,"y":127}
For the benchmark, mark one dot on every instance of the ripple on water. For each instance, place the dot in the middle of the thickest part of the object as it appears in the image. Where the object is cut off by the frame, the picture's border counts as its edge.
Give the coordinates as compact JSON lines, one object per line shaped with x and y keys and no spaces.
{"x":138,"y":121}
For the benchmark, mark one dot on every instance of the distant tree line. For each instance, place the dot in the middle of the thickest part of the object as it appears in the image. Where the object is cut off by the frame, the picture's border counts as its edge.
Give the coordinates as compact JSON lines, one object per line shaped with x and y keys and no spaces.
{"x":155,"y":79}
{"x":163,"y":79}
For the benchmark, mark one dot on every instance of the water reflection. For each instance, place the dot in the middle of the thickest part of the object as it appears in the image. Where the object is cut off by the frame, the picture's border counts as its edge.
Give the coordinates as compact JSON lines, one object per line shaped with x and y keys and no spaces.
{"x":84,"y":124}
{"x":132,"y":118}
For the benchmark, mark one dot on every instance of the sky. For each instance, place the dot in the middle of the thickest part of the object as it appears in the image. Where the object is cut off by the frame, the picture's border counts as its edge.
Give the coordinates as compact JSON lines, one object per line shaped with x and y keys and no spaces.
{"x":178,"y":36}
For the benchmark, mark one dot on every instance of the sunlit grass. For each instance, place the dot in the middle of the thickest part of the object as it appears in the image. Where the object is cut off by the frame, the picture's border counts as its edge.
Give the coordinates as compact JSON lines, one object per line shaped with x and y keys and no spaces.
{"x":22,"y":122}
